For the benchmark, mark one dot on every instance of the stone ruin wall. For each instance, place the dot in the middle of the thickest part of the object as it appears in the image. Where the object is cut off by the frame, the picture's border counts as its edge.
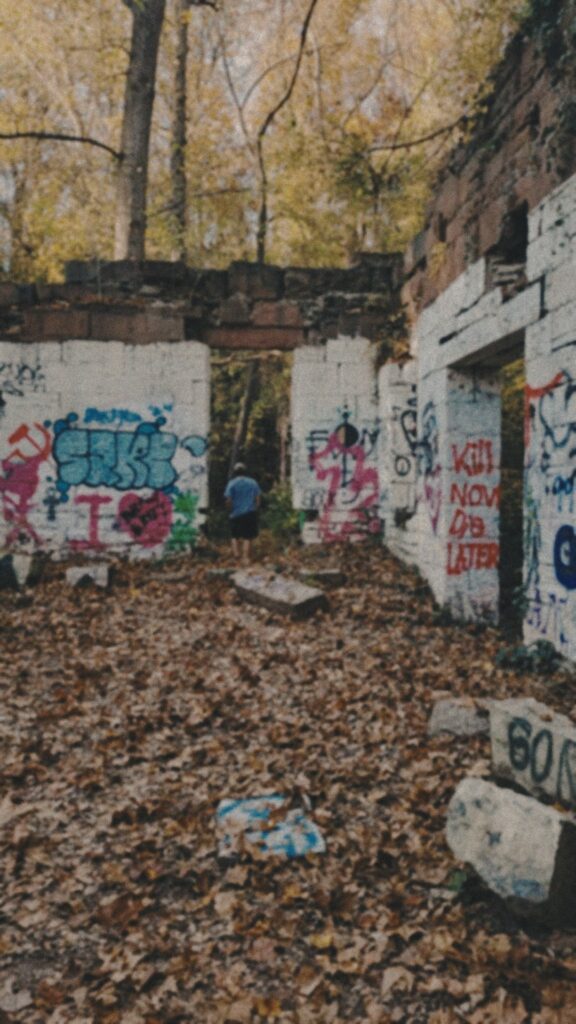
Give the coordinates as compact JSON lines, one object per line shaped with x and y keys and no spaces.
{"x":493,"y":277}
{"x":105,"y":446}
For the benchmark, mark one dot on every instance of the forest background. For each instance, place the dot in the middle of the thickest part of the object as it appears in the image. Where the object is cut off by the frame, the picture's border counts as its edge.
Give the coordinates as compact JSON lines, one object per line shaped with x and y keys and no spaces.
{"x":291,"y":131}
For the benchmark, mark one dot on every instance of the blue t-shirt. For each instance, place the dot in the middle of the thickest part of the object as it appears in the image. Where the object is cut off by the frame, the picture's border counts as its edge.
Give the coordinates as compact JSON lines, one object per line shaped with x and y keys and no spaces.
{"x":243,"y":492}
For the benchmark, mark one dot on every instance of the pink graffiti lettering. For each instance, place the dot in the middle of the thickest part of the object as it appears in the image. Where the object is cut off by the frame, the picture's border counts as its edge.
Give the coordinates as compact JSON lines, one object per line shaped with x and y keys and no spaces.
{"x":476,"y":457}
{"x":94,"y":502}
{"x":147,"y":520}
{"x":348,"y":511}
{"x":466,"y":556}
{"x":474,"y":495}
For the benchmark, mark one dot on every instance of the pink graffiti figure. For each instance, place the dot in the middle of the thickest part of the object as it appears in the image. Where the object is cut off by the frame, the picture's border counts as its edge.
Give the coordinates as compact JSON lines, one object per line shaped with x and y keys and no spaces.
{"x":348,"y":510}
{"x":20,"y":479}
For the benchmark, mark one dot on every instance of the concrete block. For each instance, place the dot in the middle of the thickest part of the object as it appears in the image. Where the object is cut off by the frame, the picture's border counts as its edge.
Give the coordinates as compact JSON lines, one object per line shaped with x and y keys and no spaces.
{"x":535,"y":747}
{"x":525,"y":852}
{"x":461,"y":717}
{"x":97,"y":573}
{"x":279,"y":594}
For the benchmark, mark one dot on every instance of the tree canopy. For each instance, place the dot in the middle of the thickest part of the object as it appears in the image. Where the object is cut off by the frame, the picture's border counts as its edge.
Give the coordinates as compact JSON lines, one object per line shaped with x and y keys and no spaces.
{"x":336,"y":114}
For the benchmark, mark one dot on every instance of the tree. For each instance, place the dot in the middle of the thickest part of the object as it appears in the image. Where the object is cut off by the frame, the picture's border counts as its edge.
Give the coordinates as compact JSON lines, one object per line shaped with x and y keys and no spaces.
{"x":132,"y":181}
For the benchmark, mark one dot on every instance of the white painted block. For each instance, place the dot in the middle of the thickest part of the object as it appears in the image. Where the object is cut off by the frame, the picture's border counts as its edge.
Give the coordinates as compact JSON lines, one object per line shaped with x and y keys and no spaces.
{"x":535,"y":747}
{"x":525,"y":852}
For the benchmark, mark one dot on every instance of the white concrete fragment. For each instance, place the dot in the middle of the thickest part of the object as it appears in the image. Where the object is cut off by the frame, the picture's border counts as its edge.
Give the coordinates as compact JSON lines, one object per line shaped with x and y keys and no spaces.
{"x":535,"y":747}
{"x":97,"y":573}
{"x":461,"y":717}
{"x":260,"y":822}
{"x":524,"y":851}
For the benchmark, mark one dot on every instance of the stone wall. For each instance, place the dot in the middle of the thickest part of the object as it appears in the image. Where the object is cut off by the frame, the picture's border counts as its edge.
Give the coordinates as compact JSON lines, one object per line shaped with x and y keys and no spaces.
{"x":398,"y":457}
{"x":249,"y":305}
{"x":519,"y":151}
{"x":103,"y":447}
{"x":335,"y":440}
{"x":471,"y":329}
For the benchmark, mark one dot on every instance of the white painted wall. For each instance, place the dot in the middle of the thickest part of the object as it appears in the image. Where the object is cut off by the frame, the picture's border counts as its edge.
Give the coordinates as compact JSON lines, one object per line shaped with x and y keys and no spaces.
{"x":398,"y":457}
{"x":469,"y":321}
{"x":103,"y":445}
{"x":335,"y":437}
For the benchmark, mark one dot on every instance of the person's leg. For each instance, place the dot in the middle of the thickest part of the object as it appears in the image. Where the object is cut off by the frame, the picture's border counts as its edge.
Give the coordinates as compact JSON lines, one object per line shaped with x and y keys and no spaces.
{"x":246,"y":549}
{"x":235,"y":547}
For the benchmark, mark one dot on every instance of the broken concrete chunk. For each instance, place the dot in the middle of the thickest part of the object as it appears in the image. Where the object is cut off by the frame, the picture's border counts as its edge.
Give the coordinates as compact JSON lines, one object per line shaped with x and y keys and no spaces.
{"x":461,"y":717}
{"x":97,"y":573}
{"x":329,"y":577}
{"x":219,"y":574}
{"x":279,"y":594}
{"x":15,"y":570}
{"x":524,"y":851}
{"x":534,"y":747}
{"x":261,"y":823}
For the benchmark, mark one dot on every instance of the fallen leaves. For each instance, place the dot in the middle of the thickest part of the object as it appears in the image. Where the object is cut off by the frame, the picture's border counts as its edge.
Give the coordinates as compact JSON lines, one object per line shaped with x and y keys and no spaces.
{"x":128,"y":716}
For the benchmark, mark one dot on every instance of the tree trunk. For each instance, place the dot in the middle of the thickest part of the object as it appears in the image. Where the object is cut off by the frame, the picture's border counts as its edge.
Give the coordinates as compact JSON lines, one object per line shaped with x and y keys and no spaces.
{"x":244,"y":414}
{"x":178,"y":155}
{"x":130,"y":228}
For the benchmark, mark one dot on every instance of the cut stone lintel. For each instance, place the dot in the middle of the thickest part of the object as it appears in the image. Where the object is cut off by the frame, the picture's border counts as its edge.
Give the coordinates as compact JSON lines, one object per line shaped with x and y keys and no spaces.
{"x":525,"y":852}
{"x":534,"y":747}
{"x":279,"y":594}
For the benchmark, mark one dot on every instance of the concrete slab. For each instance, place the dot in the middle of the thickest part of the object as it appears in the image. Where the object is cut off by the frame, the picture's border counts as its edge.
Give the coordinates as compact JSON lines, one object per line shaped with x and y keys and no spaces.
{"x":326,"y":577}
{"x":524,"y":851}
{"x":460,"y":717}
{"x":279,"y":594}
{"x":535,"y":747}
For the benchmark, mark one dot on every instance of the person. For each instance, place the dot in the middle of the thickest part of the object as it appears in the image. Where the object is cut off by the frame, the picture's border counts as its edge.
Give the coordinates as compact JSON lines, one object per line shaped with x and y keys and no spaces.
{"x":243,"y":496}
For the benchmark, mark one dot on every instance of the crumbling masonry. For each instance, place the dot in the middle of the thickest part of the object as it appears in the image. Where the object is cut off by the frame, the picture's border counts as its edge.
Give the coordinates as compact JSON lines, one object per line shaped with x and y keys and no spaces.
{"x":104,"y":380}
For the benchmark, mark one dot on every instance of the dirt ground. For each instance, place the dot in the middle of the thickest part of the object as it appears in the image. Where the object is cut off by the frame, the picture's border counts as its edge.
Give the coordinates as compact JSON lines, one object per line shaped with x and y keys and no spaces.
{"x":128,"y":714}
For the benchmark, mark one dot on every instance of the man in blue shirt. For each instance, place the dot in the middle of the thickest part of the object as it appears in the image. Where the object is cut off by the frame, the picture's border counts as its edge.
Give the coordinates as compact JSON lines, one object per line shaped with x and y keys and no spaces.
{"x":242,"y":496}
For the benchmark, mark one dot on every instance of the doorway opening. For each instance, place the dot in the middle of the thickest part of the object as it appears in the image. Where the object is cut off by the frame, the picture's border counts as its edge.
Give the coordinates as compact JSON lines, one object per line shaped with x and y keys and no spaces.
{"x":250,"y":417}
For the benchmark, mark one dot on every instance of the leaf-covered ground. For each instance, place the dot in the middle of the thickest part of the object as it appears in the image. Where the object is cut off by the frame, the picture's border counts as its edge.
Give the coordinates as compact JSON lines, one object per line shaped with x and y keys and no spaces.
{"x":128,"y":714}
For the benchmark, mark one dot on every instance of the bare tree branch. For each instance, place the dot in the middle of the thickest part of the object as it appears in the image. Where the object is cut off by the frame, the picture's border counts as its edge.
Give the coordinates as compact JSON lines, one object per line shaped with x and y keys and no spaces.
{"x":62,"y":137}
{"x":423,"y":138}
{"x":263,"y":213}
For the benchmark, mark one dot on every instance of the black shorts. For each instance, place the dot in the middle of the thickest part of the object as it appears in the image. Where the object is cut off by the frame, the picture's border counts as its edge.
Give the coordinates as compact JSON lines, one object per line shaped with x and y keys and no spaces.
{"x":245,"y":527}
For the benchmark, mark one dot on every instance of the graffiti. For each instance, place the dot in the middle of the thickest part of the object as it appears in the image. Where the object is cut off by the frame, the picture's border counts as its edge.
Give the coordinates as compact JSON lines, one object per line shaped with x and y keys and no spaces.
{"x":111,"y":416}
{"x":94,"y":503}
{"x":475,"y":458}
{"x":184,"y":531}
{"x":350,"y":507}
{"x":121,"y":459}
{"x":429,"y":463}
{"x":406,"y":420}
{"x":196,"y":445}
{"x":548,"y":617}
{"x":20,"y":479}
{"x":565,"y":557}
{"x":466,"y":556}
{"x":147,"y":520}
{"x":550,"y":430}
{"x":547,"y":757}
{"x":532,"y":540}
{"x":18,"y":379}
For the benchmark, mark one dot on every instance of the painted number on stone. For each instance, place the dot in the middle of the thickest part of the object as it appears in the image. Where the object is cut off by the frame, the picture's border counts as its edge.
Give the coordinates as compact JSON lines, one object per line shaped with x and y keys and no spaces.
{"x":534,"y":752}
